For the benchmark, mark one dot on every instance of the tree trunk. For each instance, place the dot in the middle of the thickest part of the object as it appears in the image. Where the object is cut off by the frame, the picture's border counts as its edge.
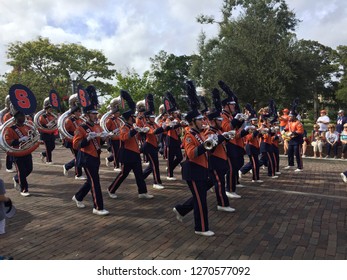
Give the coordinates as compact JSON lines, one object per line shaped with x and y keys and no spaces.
{"x":315,"y":105}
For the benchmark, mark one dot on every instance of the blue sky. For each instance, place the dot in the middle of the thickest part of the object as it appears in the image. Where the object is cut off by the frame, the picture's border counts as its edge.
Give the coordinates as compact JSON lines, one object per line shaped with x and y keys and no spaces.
{"x":129,"y":32}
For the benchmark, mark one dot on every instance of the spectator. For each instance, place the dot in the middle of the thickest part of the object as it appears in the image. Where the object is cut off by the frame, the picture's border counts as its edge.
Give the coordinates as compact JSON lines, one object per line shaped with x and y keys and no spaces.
{"x":323,"y":122}
{"x":332,"y":138}
{"x":317,"y":141}
{"x":341,"y":120}
{"x":305,"y":143}
{"x":5,"y":204}
{"x":343,"y":139}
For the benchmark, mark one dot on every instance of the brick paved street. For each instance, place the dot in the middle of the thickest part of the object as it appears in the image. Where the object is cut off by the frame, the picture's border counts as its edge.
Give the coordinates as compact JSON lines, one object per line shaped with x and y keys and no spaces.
{"x":297,"y":216}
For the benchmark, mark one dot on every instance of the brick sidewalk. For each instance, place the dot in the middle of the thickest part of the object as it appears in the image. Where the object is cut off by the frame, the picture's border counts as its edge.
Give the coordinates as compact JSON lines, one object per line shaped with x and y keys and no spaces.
{"x":297,"y":216}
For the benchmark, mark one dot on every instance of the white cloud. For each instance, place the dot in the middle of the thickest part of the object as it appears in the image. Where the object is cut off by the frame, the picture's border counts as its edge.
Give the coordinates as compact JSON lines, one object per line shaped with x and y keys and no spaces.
{"x":129,"y":32}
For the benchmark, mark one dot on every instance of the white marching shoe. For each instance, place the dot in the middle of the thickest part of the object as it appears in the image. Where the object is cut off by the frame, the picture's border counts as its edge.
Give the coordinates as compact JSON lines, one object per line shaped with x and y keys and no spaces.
{"x":65,"y":171}
{"x":111,"y":195}
{"x":15,"y":184}
{"x":171,"y":178}
{"x":257,"y":181}
{"x":145,"y":195}
{"x":298,"y":170}
{"x":79,"y":204}
{"x":205,"y":233}
{"x":158,"y":186}
{"x":232,"y":195}
{"x":225,"y":208}
{"x":24,"y":194}
{"x":344,"y":178}
{"x":102,"y":212}
{"x":179,"y":217}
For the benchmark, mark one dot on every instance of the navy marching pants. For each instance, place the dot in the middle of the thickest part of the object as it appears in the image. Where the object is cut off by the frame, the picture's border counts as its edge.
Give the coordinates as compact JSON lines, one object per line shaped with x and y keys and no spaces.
{"x":91,"y":168}
{"x":198,"y":202}
{"x":24,"y":167}
{"x":136,"y":167}
{"x":152,"y":156}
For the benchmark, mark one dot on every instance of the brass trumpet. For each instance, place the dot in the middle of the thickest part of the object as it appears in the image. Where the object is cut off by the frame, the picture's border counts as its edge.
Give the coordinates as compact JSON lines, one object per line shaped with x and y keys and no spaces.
{"x":229,"y":135}
{"x":211,"y":142}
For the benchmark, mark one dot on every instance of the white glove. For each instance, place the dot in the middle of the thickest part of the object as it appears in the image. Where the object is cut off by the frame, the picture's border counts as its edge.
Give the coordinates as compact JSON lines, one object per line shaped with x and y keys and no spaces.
{"x":24,"y":139}
{"x":138,"y":129}
{"x":164,"y":125}
{"x":145,"y":129}
{"x":91,"y":135}
{"x":248,"y":127}
{"x":238,"y":116}
{"x":116,"y":131}
{"x":104,"y":134}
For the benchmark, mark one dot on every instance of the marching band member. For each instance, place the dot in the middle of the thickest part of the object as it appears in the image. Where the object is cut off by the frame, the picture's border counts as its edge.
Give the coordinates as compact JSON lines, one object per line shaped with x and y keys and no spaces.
{"x":266,"y":146}
{"x":71,"y":124}
{"x":150,"y":147}
{"x":217,"y":156}
{"x":47,"y":120}
{"x":14,"y":136}
{"x":235,"y":146}
{"x":114,"y":124}
{"x":129,"y":154}
{"x":87,"y":139}
{"x":173,"y":140}
{"x":266,"y":150}
{"x":140,"y":121}
{"x":275,"y":140}
{"x":160,"y":120}
{"x":296,"y":131}
{"x":252,"y":147}
{"x":195,"y":171}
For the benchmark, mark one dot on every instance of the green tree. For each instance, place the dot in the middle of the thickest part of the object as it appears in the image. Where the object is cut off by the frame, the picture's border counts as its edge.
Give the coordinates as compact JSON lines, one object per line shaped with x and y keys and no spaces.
{"x":42,"y":66}
{"x":250,"y":52}
{"x":316,"y":70}
{"x":138,"y":86}
{"x":169,"y":72}
{"x":341,"y":93}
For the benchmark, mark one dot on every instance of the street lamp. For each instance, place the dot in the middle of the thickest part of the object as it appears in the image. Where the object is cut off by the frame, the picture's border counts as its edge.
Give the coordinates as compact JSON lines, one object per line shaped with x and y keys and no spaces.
{"x":73,"y":77}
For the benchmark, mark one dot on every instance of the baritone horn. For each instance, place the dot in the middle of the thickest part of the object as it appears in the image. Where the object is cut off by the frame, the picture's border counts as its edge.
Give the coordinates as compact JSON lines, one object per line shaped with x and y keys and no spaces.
{"x":24,"y":148}
{"x":115,"y":102}
{"x":50,"y":126}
